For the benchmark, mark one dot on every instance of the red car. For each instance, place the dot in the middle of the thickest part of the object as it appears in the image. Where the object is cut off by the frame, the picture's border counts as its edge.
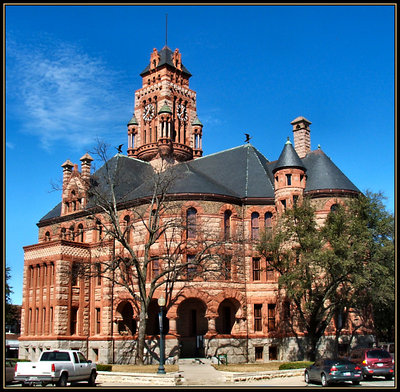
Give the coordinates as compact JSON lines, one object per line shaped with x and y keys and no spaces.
{"x":374,"y":362}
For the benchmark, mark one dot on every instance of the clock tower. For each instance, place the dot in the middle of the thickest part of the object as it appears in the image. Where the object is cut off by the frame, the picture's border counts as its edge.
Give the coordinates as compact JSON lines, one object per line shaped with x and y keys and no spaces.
{"x":165,"y":125}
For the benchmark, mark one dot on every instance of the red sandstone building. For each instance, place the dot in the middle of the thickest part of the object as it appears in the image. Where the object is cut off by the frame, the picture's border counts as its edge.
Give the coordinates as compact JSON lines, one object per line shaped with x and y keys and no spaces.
{"x":236,"y":191}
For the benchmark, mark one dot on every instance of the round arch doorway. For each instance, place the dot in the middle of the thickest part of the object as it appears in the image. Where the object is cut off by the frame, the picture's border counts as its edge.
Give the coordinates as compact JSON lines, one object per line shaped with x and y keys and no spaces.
{"x":192,"y":326}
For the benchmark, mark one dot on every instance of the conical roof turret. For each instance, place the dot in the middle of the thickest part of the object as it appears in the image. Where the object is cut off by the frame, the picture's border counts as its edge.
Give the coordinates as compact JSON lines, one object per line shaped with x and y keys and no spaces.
{"x":289,"y":158}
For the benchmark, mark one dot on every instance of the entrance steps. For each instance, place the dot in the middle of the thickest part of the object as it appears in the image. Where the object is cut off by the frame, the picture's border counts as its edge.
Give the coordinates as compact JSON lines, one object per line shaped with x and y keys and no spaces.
{"x":200,"y":361}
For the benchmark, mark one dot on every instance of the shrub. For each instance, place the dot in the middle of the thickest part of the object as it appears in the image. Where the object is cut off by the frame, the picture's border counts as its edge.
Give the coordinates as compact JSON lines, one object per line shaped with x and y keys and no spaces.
{"x":104,"y":368}
{"x":295,"y":365}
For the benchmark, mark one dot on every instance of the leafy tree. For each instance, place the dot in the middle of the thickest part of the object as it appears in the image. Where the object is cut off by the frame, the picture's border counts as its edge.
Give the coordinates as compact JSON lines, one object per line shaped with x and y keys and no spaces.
{"x":8,"y":291}
{"x":12,"y":312}
{"x":331,"y":270}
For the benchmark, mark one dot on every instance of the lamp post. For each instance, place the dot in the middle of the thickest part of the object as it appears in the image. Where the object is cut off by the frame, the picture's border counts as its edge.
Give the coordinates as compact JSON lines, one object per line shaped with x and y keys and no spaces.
{"x":161,"y":304}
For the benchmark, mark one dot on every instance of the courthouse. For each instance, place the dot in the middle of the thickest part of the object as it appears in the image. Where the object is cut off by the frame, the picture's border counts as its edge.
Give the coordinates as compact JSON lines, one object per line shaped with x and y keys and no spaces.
{"x":237,"y":193}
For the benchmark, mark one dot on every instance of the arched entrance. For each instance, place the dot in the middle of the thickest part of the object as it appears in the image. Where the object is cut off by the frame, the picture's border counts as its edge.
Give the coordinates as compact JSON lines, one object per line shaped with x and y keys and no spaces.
{"x":226,"y":316}
{"x":192,"y":326}
{"x":126,"y":322}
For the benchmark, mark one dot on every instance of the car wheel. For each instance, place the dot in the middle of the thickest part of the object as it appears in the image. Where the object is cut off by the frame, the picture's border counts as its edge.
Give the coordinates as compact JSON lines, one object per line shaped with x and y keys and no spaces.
{"x":356,"y":382}
{"x":62,"y":382}
{"x":306,"y":378}
{"x":92,"y":379}
{"x":388,"y":377}
{"x":367,"y":377}
{"x":324,"y":381}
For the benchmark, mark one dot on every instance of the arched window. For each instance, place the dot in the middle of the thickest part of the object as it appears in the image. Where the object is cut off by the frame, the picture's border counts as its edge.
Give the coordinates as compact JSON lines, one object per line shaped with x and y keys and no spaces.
{"x":31,"y":276}
{"x":99,"y":229}
{"x":80,"y":232}
{"x":255,"y":226}
{"x":47,"y":236}
{"x":127,"y":228}
{"x":268,"y":220}
{"x":334,"y":207}
{"x":63,"y":233}
{"x":191,"y":218}
{"x":37,"y":275}
{"x":227,"y":224}
{"x":71,"y":233}
{"x":52,"y":274}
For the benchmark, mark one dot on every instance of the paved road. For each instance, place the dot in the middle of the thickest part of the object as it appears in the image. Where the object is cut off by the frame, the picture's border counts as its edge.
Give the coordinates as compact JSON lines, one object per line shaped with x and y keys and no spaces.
{"x":298,"y":381}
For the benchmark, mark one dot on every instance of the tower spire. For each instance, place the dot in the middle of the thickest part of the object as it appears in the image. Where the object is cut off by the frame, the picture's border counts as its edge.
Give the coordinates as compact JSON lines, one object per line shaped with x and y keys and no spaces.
{"x":166,"y":29}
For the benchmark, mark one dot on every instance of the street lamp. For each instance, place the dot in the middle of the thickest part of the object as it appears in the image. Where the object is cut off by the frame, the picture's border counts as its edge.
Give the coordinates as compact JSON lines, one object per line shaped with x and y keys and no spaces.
{"x":161,"y":304}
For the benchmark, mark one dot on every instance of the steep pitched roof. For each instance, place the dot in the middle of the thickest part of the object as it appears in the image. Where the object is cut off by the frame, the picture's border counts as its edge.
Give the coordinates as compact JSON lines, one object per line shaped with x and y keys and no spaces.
{"x":288,"y":158}
{"x":241,"y":172}
{"x":322,"y":173}
{"x":165,"y":59}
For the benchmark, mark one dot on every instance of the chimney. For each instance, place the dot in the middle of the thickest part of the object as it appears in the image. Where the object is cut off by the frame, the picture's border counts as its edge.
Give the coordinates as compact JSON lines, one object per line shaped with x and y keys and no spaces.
{"x":85,"y":167}
{"x":301,"y":136}
{"x":67,"y":171}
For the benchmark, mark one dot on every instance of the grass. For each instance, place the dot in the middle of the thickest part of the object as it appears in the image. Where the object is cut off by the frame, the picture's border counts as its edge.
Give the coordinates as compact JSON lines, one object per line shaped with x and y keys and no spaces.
{"x":143,"y":368}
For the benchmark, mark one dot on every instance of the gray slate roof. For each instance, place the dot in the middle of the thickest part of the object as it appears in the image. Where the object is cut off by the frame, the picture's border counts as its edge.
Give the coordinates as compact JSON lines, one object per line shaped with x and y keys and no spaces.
{"x":165,"y":59}
{"x":322,"y":173}
{"x":289,"y":158}
{"x":241,"y":172}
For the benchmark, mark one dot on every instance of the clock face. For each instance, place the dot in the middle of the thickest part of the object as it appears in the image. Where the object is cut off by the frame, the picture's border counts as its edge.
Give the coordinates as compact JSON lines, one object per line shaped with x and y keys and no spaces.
{"x":149,"y":112}
{"x":181,"y":112}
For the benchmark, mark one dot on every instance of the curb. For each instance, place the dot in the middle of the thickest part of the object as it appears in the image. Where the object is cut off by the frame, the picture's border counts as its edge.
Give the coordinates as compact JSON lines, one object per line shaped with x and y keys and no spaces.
{"x":138,"y":378}
{"x":173,"y":379}
{"x":251,"y":376}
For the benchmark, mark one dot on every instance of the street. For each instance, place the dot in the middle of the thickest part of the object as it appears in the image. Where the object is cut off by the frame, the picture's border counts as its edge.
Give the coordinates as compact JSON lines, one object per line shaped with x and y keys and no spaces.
{"x":296,"y":381}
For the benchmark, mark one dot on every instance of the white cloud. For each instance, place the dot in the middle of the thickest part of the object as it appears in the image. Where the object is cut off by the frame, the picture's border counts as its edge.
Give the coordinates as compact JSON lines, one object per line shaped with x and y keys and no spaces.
{"x":67,"y":95}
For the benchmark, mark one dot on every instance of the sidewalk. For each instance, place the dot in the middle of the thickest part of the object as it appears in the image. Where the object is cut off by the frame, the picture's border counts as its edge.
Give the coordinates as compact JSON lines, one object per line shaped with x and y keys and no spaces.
{"x":199,"y":372}
{"x":192,"y":372}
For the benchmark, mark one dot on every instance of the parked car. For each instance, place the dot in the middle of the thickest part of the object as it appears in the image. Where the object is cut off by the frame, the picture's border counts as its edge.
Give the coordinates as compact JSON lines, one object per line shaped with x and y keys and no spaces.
{"x":10,"y":369}
{"x":332,"y":370}
{"x":373,"y":362}
{"x":56,"y":367}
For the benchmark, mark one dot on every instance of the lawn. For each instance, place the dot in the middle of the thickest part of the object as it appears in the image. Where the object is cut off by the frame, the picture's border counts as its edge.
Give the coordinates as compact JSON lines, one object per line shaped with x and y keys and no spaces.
{"x":143,"y":368}
{"x":249,"y":367}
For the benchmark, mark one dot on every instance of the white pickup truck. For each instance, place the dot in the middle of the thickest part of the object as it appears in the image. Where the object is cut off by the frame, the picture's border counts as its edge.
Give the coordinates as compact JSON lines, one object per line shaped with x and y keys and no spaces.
{"x":56,"y":367}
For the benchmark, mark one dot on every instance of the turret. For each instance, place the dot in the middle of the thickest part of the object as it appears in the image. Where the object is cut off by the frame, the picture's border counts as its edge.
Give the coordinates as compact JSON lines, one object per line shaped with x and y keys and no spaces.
{"x":197,"y":135}
{"x":289,"y":178}
{"x":132,"y":133}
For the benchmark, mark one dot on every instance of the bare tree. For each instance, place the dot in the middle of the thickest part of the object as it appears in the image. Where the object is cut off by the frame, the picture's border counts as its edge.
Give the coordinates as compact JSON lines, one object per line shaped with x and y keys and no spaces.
{"x":169,"y":249}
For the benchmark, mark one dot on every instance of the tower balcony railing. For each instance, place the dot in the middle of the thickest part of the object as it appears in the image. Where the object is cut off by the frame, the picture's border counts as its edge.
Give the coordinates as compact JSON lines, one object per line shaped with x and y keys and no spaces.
{"x":149,"y":151}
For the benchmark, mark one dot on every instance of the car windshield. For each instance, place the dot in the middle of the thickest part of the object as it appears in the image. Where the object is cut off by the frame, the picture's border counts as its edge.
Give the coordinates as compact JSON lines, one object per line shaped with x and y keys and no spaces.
{"x":378,"y":354}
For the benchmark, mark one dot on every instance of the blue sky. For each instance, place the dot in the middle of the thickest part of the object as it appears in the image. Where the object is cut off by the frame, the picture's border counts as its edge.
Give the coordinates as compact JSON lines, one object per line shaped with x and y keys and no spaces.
{"x":71,"y":74}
